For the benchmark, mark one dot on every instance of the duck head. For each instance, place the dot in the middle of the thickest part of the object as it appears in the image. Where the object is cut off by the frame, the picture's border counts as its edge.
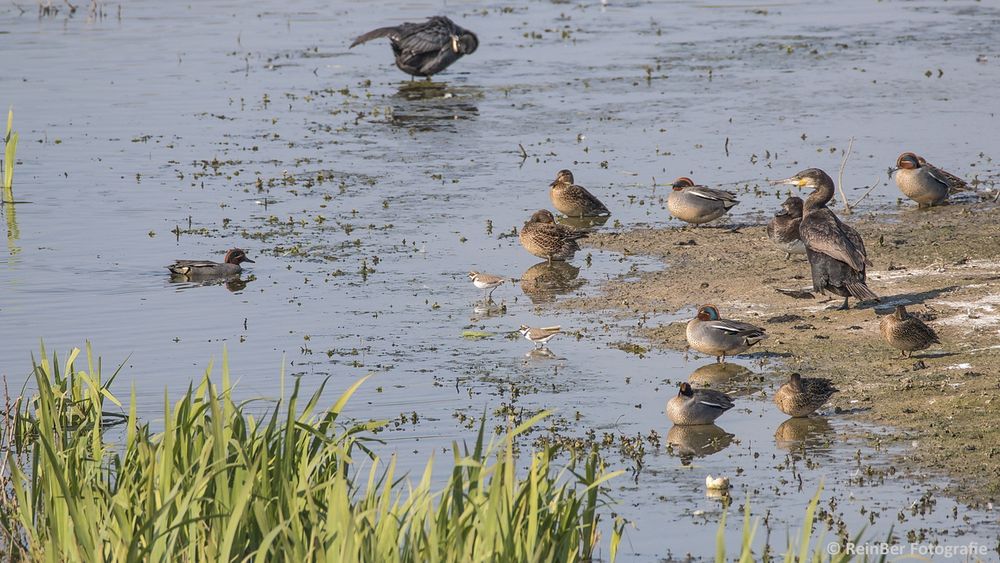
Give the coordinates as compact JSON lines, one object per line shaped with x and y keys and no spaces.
{"x":237,"y":256}
{"x":563,"y":177}
{"x":685,"y":390}
{"x":542,"y":216}
{"x":795,"y":380}
{"x":681,"y":183}
{"x":708,"y":313}
{"x":908,"y":161}
{"x":900,"y":312}
{"x":808,"y":178}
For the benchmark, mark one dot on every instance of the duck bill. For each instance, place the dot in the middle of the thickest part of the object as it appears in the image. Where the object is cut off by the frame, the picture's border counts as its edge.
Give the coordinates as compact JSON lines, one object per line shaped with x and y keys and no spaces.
{"x":249,"y":260}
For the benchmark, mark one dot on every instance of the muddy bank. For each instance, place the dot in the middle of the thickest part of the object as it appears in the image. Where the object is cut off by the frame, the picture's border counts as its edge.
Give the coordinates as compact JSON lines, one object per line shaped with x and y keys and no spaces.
{"x":943,"y":263}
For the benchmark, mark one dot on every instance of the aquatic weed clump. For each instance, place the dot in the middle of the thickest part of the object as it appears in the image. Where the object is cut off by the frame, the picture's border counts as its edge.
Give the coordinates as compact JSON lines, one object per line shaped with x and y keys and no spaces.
{"x":217,"y":484}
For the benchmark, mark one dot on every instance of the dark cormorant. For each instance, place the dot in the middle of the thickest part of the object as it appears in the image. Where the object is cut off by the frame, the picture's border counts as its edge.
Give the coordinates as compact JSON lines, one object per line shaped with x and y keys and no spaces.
{"x":836,"y":251}
{"x":427,"y":48}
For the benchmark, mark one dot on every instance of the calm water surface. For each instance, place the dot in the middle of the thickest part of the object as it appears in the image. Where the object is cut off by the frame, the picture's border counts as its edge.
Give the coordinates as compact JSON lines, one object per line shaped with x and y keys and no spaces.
{"x":180,"y":130}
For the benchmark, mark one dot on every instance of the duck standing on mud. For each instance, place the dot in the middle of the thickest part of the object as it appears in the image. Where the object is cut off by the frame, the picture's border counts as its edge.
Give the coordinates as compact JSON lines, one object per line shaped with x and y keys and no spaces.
{"x":923,"y":182}
{"x":710,"y":334}
{"x":835,"y":250}
{"x":424,"y":49}
{"x":697,"y":204}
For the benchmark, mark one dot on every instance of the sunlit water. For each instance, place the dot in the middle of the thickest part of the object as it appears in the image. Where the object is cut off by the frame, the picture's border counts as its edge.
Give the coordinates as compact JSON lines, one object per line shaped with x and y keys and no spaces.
{"x":143,"y":139}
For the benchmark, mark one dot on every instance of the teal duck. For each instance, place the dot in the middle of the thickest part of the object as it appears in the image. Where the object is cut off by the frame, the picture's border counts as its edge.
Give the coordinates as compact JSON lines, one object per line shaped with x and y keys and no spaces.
{"x":836,"y":251}
{"x":906,"y":333}
{"x":230,"y":266}
{"x":923,"y":182}
{"x":803,"y":396}
{"x":698,"y":204}
{"x":697,"y":406}
{"x":572,"y":200}
{"x":545,"y":238}
{"x":710,"y":334}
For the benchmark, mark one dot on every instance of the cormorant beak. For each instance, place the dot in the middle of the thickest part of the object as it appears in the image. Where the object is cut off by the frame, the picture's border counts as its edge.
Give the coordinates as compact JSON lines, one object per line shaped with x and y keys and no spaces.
{"x":793,"y":181}
{"x":454,"y":43}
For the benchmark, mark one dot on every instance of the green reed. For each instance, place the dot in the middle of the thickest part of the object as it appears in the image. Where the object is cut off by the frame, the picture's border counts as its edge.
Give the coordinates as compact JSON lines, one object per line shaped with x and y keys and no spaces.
{"x":219,"y":484}
{"x":10,"y":150}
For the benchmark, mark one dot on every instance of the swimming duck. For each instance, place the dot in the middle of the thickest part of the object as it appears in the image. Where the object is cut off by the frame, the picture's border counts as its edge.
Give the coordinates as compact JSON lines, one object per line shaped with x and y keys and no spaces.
{"x":230,"y":266}
{"x":835,"y":250}
{"x":486,"y":281}
{"x":923,"y":182}
{"x":697,"y":406}
{"x":573,"y":200}
{"x":906,"y":333}
{"x":427,"y":48}
{"x":698,"y":204}
{"x":715,"y":336}
{"x":803,"y":396}
{"x":545,"y":238}
{"x":783,"y":230}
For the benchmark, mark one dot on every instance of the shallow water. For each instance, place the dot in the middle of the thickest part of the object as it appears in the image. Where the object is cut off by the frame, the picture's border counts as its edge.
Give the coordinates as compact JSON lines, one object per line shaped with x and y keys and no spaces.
{"x":143,"y":139}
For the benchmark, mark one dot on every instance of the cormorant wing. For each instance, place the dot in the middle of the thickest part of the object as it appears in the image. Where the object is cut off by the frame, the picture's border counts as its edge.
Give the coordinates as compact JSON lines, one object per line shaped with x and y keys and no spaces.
{"x":428,"y":37}
{"x":823,"y":232}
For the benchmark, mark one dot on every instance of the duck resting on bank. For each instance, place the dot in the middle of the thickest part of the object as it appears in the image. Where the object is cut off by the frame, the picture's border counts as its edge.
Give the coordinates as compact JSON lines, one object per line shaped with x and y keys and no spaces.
{"x":906,"y":333}
{"x":835,"y":250}
{"x":698,"y":204}
{"x":715,"y":336}
{"x":925,"y":183}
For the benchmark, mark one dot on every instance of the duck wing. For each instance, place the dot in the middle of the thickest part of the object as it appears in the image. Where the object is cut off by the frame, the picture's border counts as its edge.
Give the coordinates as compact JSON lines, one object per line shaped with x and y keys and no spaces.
{"x":713,"y":399}
{"x":823,"y":232}
{"x":725,"y":196}
{"x":737,"y":328}
{"x":953,"y":182}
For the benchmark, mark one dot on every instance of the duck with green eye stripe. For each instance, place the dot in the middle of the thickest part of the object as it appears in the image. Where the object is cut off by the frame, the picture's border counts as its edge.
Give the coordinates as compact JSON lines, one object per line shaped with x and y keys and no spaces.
{"x":710,"y":334}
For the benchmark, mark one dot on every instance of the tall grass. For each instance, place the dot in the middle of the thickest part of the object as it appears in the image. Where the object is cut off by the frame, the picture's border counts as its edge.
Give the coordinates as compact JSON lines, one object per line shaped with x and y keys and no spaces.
{"x":10,"y":150}
{"x":217,"y":484}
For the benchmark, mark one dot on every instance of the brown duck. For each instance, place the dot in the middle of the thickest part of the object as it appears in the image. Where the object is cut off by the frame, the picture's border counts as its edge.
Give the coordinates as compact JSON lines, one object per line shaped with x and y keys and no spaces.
{"x":803,"y":396}
{"x":545,"y":238}
{"x":907,"y":333}
{"x":572,"y":200}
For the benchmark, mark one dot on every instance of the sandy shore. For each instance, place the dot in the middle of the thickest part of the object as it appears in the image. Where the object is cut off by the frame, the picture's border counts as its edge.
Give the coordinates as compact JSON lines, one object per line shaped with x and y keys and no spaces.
{"x":943,"y":263}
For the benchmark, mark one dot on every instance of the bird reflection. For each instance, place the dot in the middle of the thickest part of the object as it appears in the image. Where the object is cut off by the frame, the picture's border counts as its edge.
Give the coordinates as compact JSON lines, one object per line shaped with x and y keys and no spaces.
{"x":232,"y":283}
{"x":583,"y":223}
{"x":544,"y":281}
{"x":689,"y":442}
{"x":430,"y":106}
{"x":734,"y":379}
{"x":804,"y":433}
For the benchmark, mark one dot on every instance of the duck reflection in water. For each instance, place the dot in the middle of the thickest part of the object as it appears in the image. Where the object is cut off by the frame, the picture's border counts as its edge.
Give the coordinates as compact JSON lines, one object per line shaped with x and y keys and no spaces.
{"x":432,"y":106}
{"x":713,"y":375}
{"x":232,"y":283}
{"x":546,"y":280}
{"x":690,"y":442}
{"x":799,"y":433}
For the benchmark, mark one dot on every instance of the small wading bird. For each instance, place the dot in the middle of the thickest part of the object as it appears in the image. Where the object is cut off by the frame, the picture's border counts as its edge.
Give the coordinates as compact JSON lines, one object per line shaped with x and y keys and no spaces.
{"x":906,"y":333}
{"x":835,"y":250}
{"x":802,"y":396}
{"x":923,"y":182}
{"x":230,"y":266}
{"x":783,"y":230}
{"x":545,"y":238}
{"x":540,"y":336}
{"x":427,"y":48}
{"x":715,"y":336}
{"x":486,"y":281}
{"x":697,"y":406}
{"x":698,"y":204}
{"x":572,"y":200}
